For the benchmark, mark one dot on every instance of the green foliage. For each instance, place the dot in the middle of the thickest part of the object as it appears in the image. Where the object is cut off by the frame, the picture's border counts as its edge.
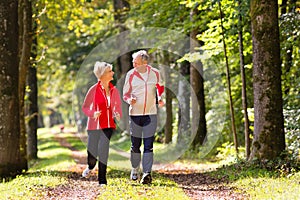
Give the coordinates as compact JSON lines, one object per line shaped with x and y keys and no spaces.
{"x":227,"y":153}
{"x":290,"y":53}
{"x":290,"y":43}
{"x":157,"y":13}
{"x":292,"y":130}
{"x":69,"y":30}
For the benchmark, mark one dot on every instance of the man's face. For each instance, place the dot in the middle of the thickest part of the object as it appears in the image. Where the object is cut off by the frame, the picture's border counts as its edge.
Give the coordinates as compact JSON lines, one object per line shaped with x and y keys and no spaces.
{"x":137,"y":61}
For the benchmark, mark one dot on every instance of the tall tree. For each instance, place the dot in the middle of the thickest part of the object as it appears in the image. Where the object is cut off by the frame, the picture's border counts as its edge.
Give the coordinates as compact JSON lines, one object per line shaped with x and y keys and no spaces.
{"x":25,"y":40}
{"x":228,"y":82}
{"x":269,"y":139}
{"x":197,"y":83}
{"x":244,"y":91}
{"x":31,"y":107}
{"x":10,"y":156}
{"x":184,"y":95}
{"x":121,"y":9}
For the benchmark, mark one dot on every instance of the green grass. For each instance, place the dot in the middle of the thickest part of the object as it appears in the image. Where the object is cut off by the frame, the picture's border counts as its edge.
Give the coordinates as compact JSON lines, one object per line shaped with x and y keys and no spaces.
{"x":120,"y":187}
{"x":271,"y":187}
{"x":50,"y":171}
{"x":43,"y":173}
{"x":260,"y":183}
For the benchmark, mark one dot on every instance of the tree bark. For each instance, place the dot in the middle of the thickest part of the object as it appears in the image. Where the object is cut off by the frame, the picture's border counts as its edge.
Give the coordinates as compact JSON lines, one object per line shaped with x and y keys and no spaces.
{"x":197,"y":83}
{"x":169,"y":114}
{"x":32,"y":114}
{"x":184,"y":95}
{"x":31,"y":108}
{"x":25,"y":41}
{"x":229,"y":85}
{"x":269,"y":139}
{"x":121,"y":8}
{"x":244,"y":91}
{"x":10,"y":156}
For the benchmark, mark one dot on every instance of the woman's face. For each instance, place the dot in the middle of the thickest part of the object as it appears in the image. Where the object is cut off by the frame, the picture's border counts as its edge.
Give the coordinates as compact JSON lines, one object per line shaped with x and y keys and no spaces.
{"x":108,"y":74}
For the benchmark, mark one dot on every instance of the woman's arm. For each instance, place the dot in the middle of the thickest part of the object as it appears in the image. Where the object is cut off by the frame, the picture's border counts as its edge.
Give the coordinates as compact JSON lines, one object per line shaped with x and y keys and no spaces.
{"x":87,"y":106}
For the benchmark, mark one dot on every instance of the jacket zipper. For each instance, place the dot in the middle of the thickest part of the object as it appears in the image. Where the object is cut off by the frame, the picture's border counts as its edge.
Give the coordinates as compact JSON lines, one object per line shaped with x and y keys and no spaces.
{"x":107,"y":107}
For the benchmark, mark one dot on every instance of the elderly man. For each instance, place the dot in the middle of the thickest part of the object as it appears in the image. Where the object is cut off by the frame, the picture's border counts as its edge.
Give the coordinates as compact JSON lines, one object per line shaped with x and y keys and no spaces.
{"x":142,"y":89}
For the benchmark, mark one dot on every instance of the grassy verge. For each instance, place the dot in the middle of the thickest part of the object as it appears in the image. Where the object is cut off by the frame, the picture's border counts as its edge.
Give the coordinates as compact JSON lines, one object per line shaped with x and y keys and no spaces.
{"x":258,"y":182}
{"x":120,"y":187}
{"x":50,"y":171}
{"x":43,"y":173}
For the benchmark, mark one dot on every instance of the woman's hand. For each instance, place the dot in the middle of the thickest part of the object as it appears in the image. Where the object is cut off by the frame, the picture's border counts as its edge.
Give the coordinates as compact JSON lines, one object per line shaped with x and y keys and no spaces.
{"x":97,"y":114}
{"x":117,"y":116}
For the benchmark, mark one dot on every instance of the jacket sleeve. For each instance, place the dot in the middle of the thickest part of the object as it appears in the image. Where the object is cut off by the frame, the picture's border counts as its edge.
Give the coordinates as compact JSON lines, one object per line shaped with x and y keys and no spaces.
{"x":160,"y":86}
{"x":87,"y":106}
{"x":117,"y":102}
{"x":127,"y":90}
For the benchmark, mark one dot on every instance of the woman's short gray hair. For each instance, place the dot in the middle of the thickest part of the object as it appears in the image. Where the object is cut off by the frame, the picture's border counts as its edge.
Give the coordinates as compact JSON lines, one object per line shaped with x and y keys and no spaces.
{"x":100,"y":67}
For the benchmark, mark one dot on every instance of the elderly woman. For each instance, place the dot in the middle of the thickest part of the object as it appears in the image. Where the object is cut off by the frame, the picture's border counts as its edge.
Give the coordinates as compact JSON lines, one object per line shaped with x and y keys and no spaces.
{"x":102,"y":105}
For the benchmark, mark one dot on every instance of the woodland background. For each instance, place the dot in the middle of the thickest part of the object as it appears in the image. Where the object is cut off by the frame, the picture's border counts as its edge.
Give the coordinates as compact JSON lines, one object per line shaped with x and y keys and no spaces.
{"x":257,"y":64}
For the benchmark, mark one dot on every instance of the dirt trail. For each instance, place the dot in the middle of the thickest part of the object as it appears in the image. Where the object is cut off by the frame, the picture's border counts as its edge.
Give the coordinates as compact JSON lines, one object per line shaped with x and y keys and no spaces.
{"x":196,"y":184}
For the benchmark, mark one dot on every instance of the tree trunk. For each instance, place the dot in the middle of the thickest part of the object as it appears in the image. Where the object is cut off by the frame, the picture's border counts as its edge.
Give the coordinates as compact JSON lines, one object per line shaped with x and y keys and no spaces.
{"x":31,"y":108}
{"x":197,"y":83}
{"x":32,"y":114}
{"x":269,"y":140}
{"x":244,"y":91}
{"x":25,"y":41}
{"x":169,"y":114}
{"x":229,"y":85}
{"x":184,"y":95}
{"x":10,"y":156}
{"x":121,"y":8}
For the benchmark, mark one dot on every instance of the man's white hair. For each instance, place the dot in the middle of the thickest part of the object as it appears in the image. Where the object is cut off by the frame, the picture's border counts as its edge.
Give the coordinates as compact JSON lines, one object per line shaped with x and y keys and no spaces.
{"x":144,"y":55}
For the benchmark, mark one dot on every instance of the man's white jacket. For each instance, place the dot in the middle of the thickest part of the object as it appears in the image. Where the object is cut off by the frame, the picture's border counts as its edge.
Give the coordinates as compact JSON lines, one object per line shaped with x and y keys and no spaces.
{"x":145,"y":88}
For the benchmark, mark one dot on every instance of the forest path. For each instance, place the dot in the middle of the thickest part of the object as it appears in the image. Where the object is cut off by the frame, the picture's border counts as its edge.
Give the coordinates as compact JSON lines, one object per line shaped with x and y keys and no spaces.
{"x":196,"y":183}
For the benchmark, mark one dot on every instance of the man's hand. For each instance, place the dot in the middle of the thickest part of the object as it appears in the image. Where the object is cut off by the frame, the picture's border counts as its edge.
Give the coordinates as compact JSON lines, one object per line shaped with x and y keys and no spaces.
{"x":161,"y":103}
{"x":132,"y":100}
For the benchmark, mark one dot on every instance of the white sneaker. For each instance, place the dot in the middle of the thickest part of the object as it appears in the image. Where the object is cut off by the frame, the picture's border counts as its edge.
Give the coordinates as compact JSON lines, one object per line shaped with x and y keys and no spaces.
{"x":134,"y":175}
{"x":146,"y":179}
{"x":86,"y":172}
